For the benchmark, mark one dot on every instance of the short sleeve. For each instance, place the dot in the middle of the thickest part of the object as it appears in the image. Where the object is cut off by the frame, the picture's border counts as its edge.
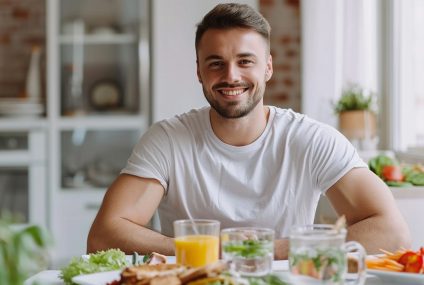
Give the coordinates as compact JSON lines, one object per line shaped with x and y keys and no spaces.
{"x":332,"y":157}
{"x":149,"y":158}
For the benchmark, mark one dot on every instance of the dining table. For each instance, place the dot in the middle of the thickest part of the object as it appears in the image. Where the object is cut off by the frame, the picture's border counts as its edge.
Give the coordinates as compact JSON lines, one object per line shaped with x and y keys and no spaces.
{"x":280,"y":268}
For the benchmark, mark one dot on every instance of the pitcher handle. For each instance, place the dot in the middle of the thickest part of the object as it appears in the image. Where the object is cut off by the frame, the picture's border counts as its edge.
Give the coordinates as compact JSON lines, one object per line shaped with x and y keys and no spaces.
{"x":357,"y":278}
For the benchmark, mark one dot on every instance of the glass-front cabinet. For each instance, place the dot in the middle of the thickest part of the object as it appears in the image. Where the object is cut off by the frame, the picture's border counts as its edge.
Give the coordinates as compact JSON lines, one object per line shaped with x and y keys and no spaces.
{"x":99,"y":105}
{"x":102,"y":57}
{"x":103,"y":81}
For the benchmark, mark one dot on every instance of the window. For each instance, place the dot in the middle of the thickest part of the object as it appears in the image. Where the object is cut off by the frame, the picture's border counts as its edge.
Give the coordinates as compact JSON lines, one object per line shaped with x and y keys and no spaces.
{"x":407,"y":75}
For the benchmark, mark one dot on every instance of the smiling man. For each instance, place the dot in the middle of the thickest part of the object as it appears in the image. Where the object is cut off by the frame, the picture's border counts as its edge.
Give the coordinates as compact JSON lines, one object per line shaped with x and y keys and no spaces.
{"x":240,"y":162}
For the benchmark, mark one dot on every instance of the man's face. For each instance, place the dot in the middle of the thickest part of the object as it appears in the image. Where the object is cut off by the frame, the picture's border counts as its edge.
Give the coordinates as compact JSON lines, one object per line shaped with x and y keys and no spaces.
{"x":233,"y":66}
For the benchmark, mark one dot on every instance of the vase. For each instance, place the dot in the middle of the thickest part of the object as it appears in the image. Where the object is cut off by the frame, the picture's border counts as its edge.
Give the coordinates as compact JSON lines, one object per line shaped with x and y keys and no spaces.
{"x":33,"y":79}
{"x":358,"y":124}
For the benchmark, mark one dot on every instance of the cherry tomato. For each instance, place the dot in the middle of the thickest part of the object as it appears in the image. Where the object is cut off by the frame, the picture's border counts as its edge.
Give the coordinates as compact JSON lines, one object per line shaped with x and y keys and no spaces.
{"x":392,"y":173}
{"x":412,"y":261}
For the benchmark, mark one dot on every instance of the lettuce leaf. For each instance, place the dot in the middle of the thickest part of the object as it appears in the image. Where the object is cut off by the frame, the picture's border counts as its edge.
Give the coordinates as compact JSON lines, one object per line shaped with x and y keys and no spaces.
{"x":112,"y":259}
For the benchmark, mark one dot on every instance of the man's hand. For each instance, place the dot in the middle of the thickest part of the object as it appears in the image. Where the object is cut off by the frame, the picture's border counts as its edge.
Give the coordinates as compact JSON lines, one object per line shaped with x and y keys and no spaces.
{"x":281,"y":249}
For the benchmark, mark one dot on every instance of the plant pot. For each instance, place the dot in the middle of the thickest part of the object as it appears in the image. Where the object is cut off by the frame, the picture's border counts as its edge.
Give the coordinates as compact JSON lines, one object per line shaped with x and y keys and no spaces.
{"x":360,"y":124}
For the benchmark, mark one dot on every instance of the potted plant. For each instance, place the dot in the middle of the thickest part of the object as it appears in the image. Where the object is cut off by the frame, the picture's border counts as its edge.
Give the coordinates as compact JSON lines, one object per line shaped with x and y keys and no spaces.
{"x":22,"y":251}
{"x":357,"y":119}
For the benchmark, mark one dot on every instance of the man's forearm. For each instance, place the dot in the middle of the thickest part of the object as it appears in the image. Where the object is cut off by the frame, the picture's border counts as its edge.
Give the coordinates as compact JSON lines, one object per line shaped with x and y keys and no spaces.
{"x":128,"y":237}
{"x":380,"y":232}
{"x":281,"y":250}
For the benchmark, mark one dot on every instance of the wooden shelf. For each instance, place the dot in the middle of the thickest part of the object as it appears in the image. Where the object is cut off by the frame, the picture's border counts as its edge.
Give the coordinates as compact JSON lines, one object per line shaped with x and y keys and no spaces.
{"x":104,"y":122}
{"x":21,"y":123}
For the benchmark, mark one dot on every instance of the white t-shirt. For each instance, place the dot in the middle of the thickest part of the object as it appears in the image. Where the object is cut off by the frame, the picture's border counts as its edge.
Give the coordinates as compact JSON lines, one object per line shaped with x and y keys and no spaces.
{"x":274,"y":182}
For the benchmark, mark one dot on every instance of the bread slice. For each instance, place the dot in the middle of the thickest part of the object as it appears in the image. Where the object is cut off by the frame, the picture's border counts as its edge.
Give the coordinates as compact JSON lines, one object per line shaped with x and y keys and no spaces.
{"x":210,"y":270}
{"x":142,"y":274}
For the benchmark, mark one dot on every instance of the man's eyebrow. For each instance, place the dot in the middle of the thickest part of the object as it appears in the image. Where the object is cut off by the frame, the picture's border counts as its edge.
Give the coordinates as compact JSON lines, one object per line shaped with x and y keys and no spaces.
{"x":240,"y":55}
{"x":213,"y":57}
{"x":246,"y":54}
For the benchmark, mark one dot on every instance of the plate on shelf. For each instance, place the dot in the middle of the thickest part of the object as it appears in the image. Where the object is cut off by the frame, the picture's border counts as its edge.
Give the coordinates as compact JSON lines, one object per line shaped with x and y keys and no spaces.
{"x":398,"y":277}
{"x":20,"y":107}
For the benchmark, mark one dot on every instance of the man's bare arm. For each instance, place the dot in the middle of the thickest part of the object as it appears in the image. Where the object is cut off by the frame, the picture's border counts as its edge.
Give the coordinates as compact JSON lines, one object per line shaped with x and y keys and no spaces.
{"x":372,"y":215}
{"x":128,"y":206}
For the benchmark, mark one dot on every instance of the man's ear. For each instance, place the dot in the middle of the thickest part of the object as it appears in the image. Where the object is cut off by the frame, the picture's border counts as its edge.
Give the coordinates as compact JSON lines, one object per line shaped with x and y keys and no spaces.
{"x":269,"y":70}
{"x":198,"y":72}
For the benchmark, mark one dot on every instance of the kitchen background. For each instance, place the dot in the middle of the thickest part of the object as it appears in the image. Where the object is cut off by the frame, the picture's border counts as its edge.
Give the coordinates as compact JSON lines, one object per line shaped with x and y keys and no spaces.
{"x":79,"y":84}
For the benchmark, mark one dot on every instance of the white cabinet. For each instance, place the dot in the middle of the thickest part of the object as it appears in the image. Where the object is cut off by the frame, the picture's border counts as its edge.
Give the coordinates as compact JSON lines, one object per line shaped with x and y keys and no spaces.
{"x":98,"y":105}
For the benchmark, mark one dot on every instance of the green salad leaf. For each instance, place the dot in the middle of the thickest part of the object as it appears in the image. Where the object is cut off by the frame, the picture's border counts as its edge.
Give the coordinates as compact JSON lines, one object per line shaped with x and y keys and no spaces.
{"x":377,"y":163}
{"x":249,"y":248}
{"x":112,"y":259}
{"x":269,"y":279}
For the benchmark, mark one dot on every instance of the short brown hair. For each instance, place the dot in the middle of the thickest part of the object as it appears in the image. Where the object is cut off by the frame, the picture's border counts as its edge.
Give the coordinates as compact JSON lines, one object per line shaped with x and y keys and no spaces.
{"x":233,"y":15}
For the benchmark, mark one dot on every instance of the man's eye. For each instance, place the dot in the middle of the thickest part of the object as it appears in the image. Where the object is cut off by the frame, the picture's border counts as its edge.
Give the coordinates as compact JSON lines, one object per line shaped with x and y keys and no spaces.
{"x":246,"y":62}
{"x":215,"y":64}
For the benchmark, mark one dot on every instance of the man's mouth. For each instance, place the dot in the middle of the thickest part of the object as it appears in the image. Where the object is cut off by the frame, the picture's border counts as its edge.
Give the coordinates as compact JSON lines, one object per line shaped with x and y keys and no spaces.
{"x":232,"y":91}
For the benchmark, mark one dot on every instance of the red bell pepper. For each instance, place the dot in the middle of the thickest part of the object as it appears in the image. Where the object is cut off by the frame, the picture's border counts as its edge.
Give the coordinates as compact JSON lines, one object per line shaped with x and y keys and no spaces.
{"x":412,"y":261}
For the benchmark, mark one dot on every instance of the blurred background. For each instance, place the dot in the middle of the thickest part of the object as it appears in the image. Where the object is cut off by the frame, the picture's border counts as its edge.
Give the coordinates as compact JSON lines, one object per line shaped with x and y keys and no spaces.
{"x":81,"y":80}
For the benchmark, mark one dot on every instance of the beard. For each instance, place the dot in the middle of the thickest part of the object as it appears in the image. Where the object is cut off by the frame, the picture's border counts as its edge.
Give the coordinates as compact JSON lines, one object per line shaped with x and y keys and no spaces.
{"x":236,"y":109}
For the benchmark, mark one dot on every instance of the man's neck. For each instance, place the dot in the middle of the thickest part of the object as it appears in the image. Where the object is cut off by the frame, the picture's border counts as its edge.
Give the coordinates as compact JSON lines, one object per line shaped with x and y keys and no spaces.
{"x":241,"y":131}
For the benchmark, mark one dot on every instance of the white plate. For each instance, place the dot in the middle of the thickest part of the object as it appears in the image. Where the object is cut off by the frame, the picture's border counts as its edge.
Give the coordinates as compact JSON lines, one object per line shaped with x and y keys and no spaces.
{"x":398,"y":277}
{"x":101,"y":278}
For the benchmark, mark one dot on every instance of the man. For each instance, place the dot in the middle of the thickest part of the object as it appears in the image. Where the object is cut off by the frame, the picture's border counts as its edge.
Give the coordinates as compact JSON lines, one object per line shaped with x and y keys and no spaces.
{"x":240,"y":162}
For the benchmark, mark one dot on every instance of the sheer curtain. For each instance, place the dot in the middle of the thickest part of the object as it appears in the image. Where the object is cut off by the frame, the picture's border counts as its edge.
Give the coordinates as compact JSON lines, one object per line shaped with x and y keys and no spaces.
{"x":339,"y":46}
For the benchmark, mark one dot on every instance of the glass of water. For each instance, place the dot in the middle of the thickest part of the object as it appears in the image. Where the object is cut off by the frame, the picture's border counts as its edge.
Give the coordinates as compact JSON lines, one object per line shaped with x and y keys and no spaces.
{"x":318,"y":255}
{"x":248,"y":250}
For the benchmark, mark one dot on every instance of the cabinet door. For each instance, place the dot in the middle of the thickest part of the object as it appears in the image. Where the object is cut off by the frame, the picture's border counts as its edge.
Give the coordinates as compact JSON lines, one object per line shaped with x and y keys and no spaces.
{"x":103,"y":59}
{"x":175,"y":84}
{"x":72,"y":216}
{"x":23,"y":184}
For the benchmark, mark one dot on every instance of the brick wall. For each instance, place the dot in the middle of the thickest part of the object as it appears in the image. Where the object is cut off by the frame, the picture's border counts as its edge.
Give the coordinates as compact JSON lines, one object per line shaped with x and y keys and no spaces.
{"x":284,"y":87}
{"x":22,"y":25}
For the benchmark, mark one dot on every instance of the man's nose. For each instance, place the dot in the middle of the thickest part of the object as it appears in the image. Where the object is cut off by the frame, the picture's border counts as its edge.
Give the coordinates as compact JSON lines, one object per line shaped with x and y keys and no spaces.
{"x":232,"y":73}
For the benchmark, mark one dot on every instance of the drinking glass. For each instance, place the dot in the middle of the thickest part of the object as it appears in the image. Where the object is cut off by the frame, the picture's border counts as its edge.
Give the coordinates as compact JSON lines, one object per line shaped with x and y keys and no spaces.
{"x":318,"y":255}
{"x":196,"y":242}
{"x":249,"y":251}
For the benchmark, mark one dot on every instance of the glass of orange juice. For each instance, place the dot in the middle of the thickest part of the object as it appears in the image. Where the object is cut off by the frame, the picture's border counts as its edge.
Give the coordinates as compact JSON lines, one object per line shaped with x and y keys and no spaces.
{"x":196,"y":242}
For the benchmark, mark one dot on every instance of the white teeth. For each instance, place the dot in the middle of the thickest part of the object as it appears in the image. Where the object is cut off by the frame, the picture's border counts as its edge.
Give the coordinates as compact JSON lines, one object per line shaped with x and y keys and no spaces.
{"x":232,"y":92}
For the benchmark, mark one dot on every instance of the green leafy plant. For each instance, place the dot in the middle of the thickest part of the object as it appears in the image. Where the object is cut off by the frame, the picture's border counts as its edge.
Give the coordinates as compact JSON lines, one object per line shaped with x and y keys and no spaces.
{"x":23,"y":250}
{"x":354,"y":98}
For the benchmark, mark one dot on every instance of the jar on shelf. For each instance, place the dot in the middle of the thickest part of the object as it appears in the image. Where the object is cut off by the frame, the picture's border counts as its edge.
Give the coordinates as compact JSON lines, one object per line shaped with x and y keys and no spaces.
{"x":73,"y":93}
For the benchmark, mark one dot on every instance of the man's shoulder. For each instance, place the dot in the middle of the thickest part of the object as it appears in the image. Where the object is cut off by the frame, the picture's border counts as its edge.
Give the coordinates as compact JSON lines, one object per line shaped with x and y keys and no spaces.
{"x":300,"y":126}
{"x":288,"y":116}
{"x":192,"y":115}
{"x":183,"y":124}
